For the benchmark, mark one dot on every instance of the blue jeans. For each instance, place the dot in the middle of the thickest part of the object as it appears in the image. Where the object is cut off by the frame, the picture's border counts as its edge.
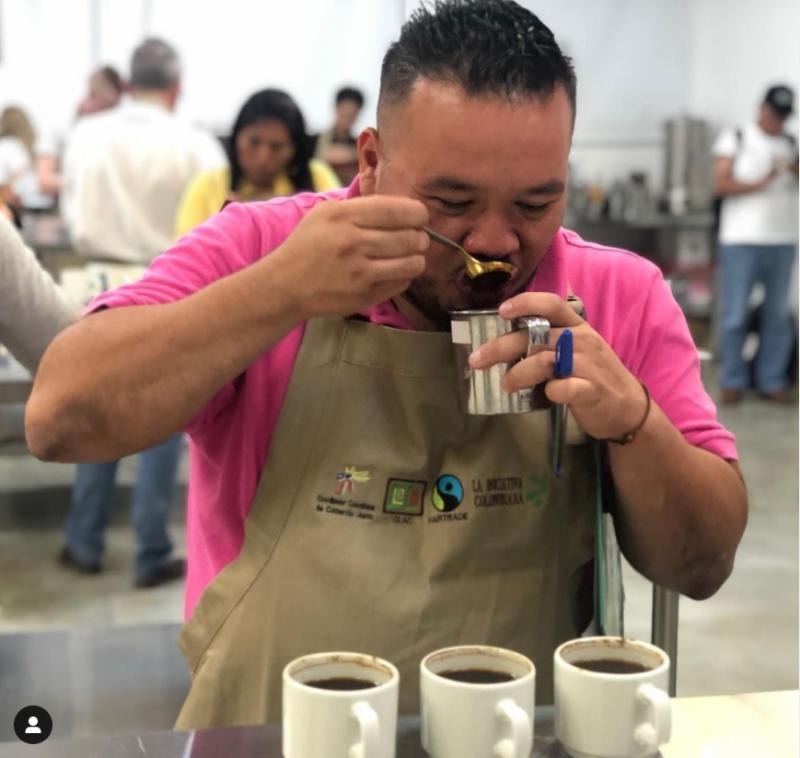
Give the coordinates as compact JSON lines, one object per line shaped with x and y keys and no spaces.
{"x":153,"y":494}
{"x":741,"y":266}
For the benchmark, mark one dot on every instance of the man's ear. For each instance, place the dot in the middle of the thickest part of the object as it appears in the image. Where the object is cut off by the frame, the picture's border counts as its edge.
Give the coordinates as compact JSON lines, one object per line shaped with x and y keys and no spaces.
{"x":369,"y":157}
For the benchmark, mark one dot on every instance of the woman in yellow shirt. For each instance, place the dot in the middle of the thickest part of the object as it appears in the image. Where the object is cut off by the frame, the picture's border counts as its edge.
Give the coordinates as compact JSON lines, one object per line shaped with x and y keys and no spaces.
{"x":269,"y":153}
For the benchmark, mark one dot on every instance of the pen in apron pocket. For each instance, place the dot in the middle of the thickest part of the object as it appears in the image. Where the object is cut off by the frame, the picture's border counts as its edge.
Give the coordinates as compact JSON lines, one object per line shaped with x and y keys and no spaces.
{"x":558,"y":413}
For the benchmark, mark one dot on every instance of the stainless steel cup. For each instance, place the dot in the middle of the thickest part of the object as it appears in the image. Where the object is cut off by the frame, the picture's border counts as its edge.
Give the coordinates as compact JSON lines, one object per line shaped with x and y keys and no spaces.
{"x":480,"y":390}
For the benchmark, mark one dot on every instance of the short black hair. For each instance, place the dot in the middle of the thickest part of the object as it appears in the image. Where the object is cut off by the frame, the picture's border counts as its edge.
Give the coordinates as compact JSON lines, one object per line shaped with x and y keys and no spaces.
{"x":489,"y":47}
{"x":350,"y":93}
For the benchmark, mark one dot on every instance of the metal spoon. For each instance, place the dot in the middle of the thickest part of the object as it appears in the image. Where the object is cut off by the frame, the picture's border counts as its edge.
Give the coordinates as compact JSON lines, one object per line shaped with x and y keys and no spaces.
{"x":493,"y":273}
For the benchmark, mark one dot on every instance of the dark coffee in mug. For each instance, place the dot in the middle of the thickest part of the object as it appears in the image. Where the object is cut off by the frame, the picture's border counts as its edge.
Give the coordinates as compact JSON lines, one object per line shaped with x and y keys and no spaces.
{"x":612,"y":666}
{"x":477,"y":676}
{"x":342,"y":683}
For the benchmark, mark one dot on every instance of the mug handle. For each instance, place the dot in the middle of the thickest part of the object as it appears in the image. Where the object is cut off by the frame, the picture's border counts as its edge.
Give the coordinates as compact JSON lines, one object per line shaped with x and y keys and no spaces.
{"x":369,"y":743}
{"x":520,"y":743}
{"x":656,"y":730}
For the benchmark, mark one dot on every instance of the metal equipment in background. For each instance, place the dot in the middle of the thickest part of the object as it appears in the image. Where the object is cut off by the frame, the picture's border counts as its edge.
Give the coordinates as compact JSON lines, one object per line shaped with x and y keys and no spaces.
{"x":687,"y":175}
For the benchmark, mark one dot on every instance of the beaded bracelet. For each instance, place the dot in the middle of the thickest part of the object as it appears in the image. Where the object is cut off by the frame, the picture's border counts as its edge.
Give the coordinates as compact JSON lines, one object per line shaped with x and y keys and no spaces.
{"x":630,"y":436}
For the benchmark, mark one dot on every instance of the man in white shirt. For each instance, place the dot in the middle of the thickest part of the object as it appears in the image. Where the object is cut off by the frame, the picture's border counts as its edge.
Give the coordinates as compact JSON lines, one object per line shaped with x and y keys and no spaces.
{"x":755,"y":171}
{"x":125,"y":171}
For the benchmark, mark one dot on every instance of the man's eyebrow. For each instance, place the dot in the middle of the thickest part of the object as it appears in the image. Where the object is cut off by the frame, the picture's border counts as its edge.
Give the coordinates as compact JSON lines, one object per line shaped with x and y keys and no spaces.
{"x":448,"y":183}
{"x":553,"y":187}
{"x":451,"y":184}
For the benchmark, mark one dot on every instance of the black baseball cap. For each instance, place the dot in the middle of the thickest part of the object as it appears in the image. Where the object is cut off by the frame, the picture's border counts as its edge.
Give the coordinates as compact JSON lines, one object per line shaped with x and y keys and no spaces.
{"x":781,"y":99}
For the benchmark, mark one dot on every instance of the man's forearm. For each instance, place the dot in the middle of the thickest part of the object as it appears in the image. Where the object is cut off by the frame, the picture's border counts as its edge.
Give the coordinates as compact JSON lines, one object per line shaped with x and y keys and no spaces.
{"x":729,"y":187}
{"x":681,"y":510}
{"x":123,"y":379}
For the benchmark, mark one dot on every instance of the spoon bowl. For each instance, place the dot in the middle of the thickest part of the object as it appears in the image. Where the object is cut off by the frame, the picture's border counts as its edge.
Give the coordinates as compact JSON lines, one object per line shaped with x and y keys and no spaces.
{"x":488,"y":273}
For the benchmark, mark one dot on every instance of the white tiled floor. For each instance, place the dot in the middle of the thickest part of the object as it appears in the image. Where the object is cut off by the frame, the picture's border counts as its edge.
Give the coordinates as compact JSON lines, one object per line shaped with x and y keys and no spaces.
{"x":745,"y":638}
{"x":44,"y":595}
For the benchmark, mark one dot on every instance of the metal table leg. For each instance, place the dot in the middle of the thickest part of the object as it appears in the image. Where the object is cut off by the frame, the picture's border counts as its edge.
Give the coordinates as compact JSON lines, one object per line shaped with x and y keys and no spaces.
{"x":665,"y":629}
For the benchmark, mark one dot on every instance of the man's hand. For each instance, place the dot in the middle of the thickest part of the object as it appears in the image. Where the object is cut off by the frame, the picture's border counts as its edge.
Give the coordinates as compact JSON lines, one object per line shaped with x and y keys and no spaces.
{"x":605,"y":398}
{"x":680,"y":510}
{"x":346,"y":256}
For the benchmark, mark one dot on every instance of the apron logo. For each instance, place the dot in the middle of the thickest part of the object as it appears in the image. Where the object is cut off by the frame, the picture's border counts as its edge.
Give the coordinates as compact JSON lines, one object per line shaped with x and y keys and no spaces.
{"x":404,"y":496}
{"x":348,"y":478}
{"x":495,"y":491}
{"x":448,"y":493}
{"x":537,"y":490}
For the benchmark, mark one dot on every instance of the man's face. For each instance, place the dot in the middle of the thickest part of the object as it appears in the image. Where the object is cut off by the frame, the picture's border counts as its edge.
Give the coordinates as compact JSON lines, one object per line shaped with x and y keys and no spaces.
{"x":771,"y":120}
{"x":493,"y":175}
{"x":346,"y":114}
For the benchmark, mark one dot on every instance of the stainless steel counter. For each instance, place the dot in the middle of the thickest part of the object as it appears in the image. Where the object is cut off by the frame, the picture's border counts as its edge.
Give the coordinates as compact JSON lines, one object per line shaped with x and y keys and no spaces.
{"x":243,"y":742}
{"x":736,"y":726}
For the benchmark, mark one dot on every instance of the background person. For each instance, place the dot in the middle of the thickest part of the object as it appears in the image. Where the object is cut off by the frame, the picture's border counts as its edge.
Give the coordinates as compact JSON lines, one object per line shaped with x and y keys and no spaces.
{"x":337,"y":145}
{"x":755,"y":171}
{"x":269,"y":155}
{"x":125,"y":171}
{"x":20,"y":165}
{"x":105,"y":90}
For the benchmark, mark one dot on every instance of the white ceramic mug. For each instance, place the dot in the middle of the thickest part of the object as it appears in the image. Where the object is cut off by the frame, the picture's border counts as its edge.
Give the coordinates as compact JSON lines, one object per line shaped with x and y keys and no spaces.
{"x":477,"y":720}
{"x":339,"y":723}
{"x":611,"y":715}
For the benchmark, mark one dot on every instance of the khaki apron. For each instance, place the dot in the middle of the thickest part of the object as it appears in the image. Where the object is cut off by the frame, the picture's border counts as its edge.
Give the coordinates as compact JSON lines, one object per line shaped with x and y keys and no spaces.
{"x":388,"y":522}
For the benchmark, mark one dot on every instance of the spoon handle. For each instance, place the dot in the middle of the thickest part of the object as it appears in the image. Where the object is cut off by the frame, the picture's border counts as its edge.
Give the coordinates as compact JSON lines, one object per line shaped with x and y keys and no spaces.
{"x":436,"y":237}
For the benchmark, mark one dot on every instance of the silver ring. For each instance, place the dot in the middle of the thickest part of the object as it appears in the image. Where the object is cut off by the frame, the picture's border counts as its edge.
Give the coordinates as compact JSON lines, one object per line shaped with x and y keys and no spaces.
{"x":538,"y":332}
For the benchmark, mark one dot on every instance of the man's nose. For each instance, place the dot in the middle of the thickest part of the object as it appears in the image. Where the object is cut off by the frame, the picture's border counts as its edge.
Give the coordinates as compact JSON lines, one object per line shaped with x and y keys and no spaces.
{"x":491,"y":236}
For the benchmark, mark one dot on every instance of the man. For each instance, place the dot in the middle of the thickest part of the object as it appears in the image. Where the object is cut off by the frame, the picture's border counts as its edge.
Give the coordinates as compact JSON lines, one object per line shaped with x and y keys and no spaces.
{"x":755,"y":171}
{"x":337,"y":146}
{"x":125,"y":171}
{"x":310,"y":337}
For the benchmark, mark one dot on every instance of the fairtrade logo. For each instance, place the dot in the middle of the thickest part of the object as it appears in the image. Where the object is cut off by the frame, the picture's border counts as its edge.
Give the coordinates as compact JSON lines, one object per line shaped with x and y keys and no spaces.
{"x":448,"y":493}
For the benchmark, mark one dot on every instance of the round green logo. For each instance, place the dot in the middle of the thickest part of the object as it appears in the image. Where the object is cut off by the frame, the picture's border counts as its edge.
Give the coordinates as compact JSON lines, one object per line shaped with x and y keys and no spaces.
{"x":448,"y":493}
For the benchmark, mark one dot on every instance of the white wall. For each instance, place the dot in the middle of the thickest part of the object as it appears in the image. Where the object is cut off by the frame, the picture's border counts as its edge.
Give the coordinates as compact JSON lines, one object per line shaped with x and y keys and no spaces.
{"x":309,"y":48}
{"x":638,"y":61}
{"x":45,"y":49}
{"x":738,"y":48}
{"x":230,"y":48}
{"x":632,"y":75}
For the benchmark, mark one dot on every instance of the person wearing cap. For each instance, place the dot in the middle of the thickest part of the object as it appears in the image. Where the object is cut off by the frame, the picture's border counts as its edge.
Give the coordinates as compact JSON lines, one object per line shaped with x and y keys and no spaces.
{"x":755,"y":172}
{"x":340,"y":498}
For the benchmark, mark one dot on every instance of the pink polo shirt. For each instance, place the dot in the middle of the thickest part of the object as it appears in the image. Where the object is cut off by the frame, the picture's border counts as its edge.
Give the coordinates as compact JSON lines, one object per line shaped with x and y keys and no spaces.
{"x":626,"y":299}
